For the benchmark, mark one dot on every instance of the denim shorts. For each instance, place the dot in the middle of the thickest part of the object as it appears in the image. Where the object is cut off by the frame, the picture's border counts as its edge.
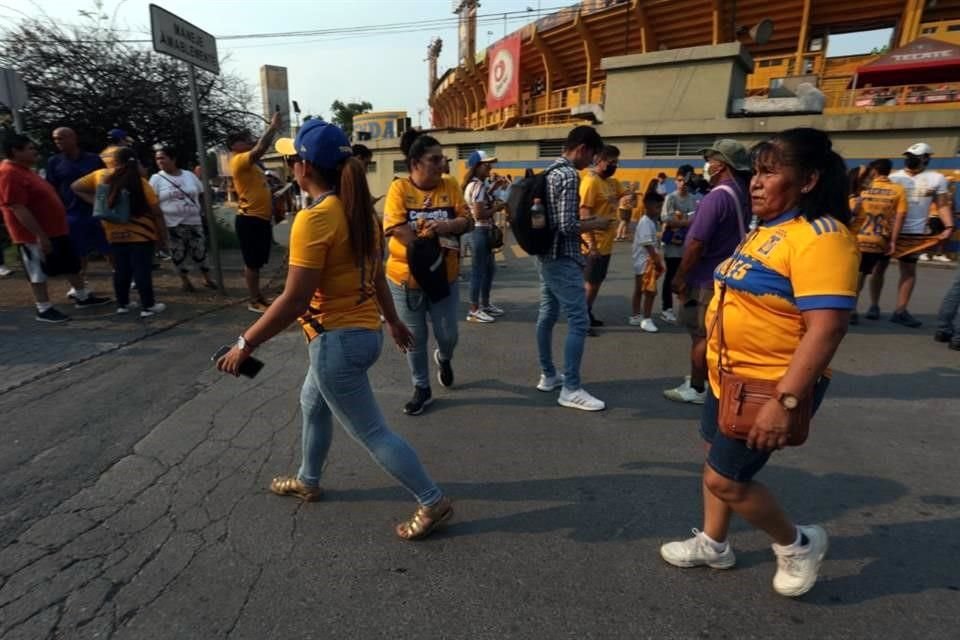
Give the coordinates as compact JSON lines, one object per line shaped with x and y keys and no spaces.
{"x":730,"y":457}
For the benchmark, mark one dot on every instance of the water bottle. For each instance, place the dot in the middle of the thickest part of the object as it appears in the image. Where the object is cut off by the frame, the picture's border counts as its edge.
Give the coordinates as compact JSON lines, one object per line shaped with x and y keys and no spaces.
{"x":538,"y":215}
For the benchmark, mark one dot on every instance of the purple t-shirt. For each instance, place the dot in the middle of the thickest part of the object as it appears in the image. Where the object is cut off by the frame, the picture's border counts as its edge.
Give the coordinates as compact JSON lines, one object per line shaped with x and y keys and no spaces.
{"x":62,"y":172}
{"x":715,"y":225}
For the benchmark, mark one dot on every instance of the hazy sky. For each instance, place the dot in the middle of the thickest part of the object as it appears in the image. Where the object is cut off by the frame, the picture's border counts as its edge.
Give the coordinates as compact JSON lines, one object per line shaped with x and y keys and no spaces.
{"x":386,"y":69}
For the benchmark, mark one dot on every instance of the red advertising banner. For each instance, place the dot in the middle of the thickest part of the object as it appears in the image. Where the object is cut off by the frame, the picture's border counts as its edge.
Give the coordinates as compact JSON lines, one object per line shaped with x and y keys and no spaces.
{"x":503,"y":69}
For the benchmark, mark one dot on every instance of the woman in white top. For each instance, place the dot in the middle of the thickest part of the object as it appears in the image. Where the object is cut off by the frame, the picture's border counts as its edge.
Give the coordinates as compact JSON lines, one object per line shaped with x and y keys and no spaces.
{"x":179,"y":193}
{"x":478,"y":194}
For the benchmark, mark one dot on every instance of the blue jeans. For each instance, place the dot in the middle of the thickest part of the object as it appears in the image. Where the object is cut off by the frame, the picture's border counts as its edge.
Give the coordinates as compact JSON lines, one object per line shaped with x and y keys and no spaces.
{"x":948,"y":319}
{"x":483,"y":268}
{"x":561,"y":286}
{"x":337,"y":385}
{"x":413,"y":307}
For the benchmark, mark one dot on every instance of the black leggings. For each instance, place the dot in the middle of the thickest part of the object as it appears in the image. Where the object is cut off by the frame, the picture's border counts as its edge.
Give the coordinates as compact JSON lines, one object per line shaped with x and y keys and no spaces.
{"x":133,"y":261}
{"x":667,"y":295}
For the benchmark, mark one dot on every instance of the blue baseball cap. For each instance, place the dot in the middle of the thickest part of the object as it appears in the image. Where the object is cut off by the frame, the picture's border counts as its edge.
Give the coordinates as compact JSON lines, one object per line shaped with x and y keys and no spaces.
{"x":479,"y":156}
{"x":117,"y":134}
{"x":322,"y":144}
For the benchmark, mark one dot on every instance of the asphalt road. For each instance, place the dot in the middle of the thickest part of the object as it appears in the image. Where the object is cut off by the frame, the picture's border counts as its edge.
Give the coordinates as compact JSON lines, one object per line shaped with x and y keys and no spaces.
{"x":134,"y":501}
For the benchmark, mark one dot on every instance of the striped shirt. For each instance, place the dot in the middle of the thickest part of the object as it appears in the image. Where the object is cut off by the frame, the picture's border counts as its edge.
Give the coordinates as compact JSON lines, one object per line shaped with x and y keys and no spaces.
{"x":563,"y":207}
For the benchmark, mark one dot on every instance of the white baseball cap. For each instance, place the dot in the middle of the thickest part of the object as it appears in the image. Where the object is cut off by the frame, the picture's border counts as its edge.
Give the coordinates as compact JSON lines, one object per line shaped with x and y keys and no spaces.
{"x":919,"y":149}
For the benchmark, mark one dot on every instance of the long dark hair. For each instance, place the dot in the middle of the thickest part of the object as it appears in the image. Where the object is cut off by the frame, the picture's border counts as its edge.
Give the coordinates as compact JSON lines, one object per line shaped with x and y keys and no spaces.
{"x":809,"y":151}
{"x":414,"y":144}
{"x":127,"y":177}
{"x":349,"y":181}
{"x":468,"y":178}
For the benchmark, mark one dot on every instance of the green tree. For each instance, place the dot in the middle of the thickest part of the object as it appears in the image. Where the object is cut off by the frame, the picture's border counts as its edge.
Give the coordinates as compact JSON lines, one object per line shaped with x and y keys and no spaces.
{"x":343,"y":113}
{"x":86,"y":78}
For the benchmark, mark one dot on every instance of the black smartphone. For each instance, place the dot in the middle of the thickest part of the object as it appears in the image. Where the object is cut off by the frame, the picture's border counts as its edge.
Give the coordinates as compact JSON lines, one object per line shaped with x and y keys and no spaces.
{"x":249,"y":368}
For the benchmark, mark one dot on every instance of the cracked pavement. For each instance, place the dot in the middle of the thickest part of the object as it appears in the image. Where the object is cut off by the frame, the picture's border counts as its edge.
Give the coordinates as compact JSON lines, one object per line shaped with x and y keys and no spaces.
{"x":135,"y":503}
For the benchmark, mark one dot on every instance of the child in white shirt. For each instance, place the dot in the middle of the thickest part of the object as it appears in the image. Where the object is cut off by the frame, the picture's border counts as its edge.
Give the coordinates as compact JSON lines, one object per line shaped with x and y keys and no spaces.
{"x":647,"y":267}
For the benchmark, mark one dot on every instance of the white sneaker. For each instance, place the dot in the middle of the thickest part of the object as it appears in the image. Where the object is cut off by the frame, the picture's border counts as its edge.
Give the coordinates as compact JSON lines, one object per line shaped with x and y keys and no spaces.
{"x":797,"y":570}
{"x":126,"y":309}
{"x":635,"y":321}
{"x":580,"y":399}
{"x":493,"y":310}
{"x":5,"y":271}
{"x":667,"y":315}
{"x":152,"y":311}
{"x":72,"y":293}
{"x":479,"y":316}
{"x":648,"y":326}
{"x":697,"y":552}
{"x":924,"y":257}
{"x":686,"y":393}
{"x":943,"y":259}
{"x":550,"y":384}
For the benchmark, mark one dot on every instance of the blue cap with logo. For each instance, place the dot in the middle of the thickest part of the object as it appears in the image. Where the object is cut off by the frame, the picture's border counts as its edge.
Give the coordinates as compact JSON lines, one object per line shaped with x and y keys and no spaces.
{"x":479,"y":156}
{"x":322,"y":144}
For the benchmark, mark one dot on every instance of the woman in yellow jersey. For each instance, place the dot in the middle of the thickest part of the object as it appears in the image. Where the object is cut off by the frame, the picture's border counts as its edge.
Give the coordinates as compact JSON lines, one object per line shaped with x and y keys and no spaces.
{"x":428,"y":207}
{"x":333,"y":287}
{"x":781,"y":308}
{"x":133,"y":243}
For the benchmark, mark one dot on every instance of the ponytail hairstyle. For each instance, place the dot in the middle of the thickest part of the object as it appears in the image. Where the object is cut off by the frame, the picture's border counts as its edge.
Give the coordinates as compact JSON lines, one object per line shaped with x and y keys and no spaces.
{"x":810,"y":151}
{"x":349,"y":180}
{"x":414,"y":143}
{"x":126,"y":176}
{"x":467,"y":179}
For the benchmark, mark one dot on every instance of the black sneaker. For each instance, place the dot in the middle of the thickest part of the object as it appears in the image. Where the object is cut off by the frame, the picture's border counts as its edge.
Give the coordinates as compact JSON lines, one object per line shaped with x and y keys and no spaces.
{"x":873,"y":313}
{"x":595,"y":322}
{"x":904,"y":318}
{"x":854,"y":317}
{"x":445,"y":374}
{"x":52,"y":316}
{"x":954,"y":344}
{"x":943,"y":335}
{"x":421,"y":400}
{"x":91,"y":301}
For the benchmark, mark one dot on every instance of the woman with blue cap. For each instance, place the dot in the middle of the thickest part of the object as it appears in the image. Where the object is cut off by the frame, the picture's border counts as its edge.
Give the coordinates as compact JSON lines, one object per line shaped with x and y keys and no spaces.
{"x":478,"y":193}
{"x":336,"y":289}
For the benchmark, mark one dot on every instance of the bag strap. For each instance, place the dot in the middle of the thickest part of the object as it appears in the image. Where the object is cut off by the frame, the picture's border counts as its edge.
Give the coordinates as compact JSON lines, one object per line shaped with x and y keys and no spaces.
{"x":741,"y":224}
{"x":180,"y":189}
{"x":718,"y":318}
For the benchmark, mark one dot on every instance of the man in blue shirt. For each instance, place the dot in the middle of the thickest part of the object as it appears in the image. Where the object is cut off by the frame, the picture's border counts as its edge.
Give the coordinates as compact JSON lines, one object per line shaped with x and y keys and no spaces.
{"x":86,"y":233}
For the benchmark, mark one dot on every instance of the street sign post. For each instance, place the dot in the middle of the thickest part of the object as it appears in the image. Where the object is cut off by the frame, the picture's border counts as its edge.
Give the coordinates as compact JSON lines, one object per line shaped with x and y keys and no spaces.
{"x":176,"y":37}
{"x":13,"y":93}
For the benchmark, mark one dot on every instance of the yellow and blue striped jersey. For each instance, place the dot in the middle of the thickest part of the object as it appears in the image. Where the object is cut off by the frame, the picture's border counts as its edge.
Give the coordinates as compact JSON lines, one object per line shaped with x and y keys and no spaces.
{"x":785,"y":267}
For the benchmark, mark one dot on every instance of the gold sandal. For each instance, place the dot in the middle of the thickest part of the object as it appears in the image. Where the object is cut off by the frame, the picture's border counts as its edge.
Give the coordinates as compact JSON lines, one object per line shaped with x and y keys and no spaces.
{"x":425,"y":520}
{"x":291,"y":486}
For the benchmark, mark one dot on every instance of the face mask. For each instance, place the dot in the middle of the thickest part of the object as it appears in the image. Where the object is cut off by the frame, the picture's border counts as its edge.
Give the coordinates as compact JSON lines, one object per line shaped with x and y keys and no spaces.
{"x":706,"y":171}
{"x":609,"y":171}
{"x":914,"y":163}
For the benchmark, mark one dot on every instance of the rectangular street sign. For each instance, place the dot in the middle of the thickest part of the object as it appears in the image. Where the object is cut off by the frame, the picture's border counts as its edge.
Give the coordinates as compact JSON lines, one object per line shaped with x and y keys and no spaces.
{"x":176,"y":37}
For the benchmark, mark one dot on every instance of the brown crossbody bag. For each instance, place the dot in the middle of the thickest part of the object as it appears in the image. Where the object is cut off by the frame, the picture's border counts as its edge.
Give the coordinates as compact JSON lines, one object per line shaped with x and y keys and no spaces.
{"x":741,"y":397}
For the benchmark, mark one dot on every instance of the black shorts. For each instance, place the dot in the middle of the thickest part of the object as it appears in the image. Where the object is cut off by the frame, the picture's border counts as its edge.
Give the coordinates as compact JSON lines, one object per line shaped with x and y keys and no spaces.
{"x":869,"y":261}
{"x":59,"y":262}
{"x":595,"y":269}
{"x":255,"y":236}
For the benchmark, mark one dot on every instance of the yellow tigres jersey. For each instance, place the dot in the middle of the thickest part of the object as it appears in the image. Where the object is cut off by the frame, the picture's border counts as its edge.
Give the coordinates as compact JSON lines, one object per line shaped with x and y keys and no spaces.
{"x":407,"y":204}
{"x":140,"y":228}
{"x":251,"y":185}
{"x":785,"y":267}
{"x":320,"y":239}
{"x":876,"y":214}
{"x":601,"y":195}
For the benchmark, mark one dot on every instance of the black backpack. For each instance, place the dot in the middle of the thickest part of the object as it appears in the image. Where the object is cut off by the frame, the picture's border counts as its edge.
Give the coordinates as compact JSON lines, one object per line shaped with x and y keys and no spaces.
{"x":536,"y":242}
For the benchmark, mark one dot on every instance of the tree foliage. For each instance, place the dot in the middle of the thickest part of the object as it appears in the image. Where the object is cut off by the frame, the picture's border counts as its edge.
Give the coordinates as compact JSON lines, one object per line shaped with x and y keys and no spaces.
{"x":343,"y":113}
{"x":85,"y":78}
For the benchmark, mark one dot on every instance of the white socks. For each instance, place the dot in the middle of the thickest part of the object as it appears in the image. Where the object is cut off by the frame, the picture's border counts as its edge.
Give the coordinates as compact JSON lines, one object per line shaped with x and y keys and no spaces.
{"x":43,"y":307}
